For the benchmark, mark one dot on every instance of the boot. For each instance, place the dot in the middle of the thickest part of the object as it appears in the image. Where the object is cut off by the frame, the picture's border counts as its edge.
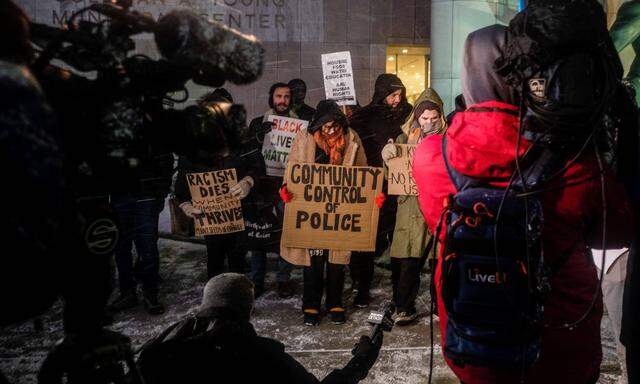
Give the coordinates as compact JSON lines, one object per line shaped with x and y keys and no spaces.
{"x":126,"y":300}
{"x":152,"y":304}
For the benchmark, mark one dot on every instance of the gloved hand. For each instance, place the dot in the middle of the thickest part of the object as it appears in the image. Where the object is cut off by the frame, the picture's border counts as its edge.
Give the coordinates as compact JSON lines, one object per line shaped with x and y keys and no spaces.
{"x":380,"y":200}
{"x":366,"y":351}
{"x":189,"y":209}
{"x":264,"y":128}
{"x":389,"y":151}
{"x":242,"y":189}
{"x":285,"y":195}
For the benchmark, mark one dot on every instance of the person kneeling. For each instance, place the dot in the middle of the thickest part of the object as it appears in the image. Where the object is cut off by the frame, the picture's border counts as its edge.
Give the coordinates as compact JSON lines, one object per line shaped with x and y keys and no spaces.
{"x":220,"y":343}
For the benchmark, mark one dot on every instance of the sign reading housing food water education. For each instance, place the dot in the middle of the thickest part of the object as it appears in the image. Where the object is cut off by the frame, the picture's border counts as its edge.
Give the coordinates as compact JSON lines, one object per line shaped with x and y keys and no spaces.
{"x":401,"y":180}
{"x":338,"y":78}
{"x":221,"y":212}
{"x":333,"y":207}
{"x":277,"y":143}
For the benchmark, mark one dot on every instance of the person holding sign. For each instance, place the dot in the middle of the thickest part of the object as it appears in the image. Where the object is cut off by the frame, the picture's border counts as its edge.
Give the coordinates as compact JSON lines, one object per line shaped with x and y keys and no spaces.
{"x":221,"y":179}
{"x":412,"y":240}
{"x":327,"y":140}
{"x":268,"y":208}
{"x":376,"y":123}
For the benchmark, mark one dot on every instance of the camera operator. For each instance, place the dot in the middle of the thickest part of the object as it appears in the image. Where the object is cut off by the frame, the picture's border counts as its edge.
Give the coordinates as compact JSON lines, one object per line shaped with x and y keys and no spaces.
{"x":220,"y":342}
{"x":245,"y":159}
{"x":279,"y":105}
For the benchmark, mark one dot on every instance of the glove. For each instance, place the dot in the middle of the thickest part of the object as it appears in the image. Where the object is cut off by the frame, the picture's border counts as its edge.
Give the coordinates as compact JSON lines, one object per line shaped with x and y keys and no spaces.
{"x":264,"y":128}
{"x":389,"y":151}
{"x":242,"y":189}
{"x":285,"y":195}
{"x":189,"y":209}
{"x":380,"y":199}
{"x":365,"y":353}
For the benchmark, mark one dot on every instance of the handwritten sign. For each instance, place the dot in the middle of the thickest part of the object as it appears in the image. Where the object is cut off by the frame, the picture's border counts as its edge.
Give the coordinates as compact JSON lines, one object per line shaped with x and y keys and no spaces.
{"x":401,"y":180}
{"x":221,"y":212}
{"x":338,"y":78}
{"x":333,"y":207}
{"x":277,"y":143}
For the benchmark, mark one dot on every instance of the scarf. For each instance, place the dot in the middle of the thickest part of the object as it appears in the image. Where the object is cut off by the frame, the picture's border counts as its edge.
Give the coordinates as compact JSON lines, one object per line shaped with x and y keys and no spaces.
{"x":333,"y":145}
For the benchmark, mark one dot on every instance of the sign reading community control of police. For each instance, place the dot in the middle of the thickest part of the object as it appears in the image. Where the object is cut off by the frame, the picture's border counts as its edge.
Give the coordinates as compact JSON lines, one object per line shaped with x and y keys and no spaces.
{"x":277,"y":143}
{"x":221,"y":212}
{"x":333,"y":207}
{"x":401,"y":180}
{"x":338,"y":78}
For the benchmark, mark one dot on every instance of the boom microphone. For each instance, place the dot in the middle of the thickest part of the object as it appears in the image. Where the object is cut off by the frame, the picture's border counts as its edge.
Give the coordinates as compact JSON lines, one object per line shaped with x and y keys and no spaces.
{"x":192,"y":41}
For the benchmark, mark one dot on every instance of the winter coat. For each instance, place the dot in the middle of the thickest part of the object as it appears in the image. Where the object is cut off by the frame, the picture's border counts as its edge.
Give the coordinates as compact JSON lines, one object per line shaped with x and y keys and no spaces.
{"x":304,"y":151}
{"x":411,"y":237}
{"x":480,"y":144}
{"x":376,"y":123}
{"x":304,"y":111}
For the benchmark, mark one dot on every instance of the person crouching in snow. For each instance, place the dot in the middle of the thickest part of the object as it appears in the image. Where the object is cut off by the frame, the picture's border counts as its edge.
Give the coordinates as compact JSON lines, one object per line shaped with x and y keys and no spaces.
{"x":327,"y":140}
{"x":412,"y":240}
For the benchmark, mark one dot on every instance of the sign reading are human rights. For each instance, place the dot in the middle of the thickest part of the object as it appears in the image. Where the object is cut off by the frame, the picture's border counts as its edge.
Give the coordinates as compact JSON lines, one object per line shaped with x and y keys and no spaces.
{"x":210,"y":193}
{"x":338,"y":78}
{"x":277,"y":143}
{"x":333,"y":207}
{"x":401,"y":181}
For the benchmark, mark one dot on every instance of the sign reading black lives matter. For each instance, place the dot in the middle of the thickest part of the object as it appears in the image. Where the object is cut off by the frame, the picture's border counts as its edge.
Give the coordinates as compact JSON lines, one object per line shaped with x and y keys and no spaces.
{"x":338,"y":78}
{"x":401,"y":180}
{"x":277,"y":143}
{"x":221,"y":212}
{"x":333,"y":207}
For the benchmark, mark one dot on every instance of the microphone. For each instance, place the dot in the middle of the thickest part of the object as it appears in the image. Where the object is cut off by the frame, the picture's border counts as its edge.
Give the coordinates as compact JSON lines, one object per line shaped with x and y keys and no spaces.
{"x":382,"y":320}
{"x":192,"y":41}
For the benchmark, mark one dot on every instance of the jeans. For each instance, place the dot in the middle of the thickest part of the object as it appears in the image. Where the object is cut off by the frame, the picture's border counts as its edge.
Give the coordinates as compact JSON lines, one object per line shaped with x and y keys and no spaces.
{"x":259,"y":269}
{"x":138,"y":222}
{"x":405,"y":279}
{"x":226,"y":246}
{"x":314,"y":283}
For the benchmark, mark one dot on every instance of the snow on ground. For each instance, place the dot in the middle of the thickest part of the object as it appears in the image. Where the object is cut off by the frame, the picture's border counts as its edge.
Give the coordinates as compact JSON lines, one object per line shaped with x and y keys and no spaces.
{"x":403,"y":359}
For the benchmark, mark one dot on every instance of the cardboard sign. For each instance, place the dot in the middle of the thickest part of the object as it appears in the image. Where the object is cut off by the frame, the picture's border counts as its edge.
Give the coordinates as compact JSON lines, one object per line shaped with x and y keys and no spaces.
{"x":338,"y":78}
{"x":401,"y":180}
{"x":221,"y":212}
{"x":333,"y":207}
{"x":277,"y":143}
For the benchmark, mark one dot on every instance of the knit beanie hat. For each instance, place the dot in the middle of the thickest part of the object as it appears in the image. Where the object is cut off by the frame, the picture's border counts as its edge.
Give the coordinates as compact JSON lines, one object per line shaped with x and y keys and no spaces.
{"x":326,"y":111}
{"x":426,"y":104}
{"x":228,"y":294}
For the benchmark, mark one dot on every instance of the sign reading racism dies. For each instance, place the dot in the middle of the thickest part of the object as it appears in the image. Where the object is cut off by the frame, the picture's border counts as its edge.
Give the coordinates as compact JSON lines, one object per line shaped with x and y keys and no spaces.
{"x":277,"y":143}
{"x":338,"y":78}
{"x":401,"y":180}
{"x":221,"y":212}
{"x":333,"y":207}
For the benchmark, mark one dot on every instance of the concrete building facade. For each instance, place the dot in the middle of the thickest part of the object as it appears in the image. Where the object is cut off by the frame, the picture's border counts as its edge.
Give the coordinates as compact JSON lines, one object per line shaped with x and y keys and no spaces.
{"x":294,"y":32}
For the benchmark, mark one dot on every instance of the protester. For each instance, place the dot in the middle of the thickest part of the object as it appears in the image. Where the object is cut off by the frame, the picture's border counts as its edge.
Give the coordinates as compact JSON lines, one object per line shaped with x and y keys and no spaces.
{"x":481,"y":144}
{"x":376,"y":123}
{"x":328,"y":140}
{"x":412,"y":240}
{"x":249,"y":167}
{"x":298,"y":94}
{"x":220,"y":343}
{"x":269,"y":211}
{"x":459,"y":107}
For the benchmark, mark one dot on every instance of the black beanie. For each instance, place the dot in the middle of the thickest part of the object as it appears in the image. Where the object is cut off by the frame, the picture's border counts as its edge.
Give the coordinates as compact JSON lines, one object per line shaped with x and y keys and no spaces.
{"x":227,"y":293}
{"x":326,"y":111}
{"x":273,"y":89}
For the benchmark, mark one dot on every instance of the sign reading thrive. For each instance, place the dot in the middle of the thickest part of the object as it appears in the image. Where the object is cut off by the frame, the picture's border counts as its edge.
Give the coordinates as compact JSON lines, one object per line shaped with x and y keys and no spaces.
{"x":221,"y":212}
{"x":333,"y":207}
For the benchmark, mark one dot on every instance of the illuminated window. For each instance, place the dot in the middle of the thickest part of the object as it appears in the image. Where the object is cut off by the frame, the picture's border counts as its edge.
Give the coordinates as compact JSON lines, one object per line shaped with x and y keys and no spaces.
{"x":411,"y":65}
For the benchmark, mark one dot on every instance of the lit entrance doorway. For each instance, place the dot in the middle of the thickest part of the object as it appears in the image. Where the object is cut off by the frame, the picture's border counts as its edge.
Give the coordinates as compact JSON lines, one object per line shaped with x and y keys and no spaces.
{"x":411,"y":64}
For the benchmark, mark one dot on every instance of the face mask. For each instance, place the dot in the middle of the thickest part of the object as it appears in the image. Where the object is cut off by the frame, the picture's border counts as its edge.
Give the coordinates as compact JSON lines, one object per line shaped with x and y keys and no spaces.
{"x":431,"y":127}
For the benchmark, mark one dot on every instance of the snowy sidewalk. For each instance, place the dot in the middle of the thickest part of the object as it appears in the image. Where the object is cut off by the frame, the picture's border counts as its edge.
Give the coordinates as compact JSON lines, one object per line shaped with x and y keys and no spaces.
{"x":404,"y":357}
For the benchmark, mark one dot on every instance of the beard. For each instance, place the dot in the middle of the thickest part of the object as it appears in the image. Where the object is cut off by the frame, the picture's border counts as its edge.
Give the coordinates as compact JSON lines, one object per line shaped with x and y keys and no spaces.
{"x":281,"y":108}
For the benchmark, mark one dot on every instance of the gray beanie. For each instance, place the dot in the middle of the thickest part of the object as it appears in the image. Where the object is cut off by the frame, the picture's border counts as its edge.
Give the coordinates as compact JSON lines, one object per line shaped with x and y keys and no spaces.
{"x":228,"y":294}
